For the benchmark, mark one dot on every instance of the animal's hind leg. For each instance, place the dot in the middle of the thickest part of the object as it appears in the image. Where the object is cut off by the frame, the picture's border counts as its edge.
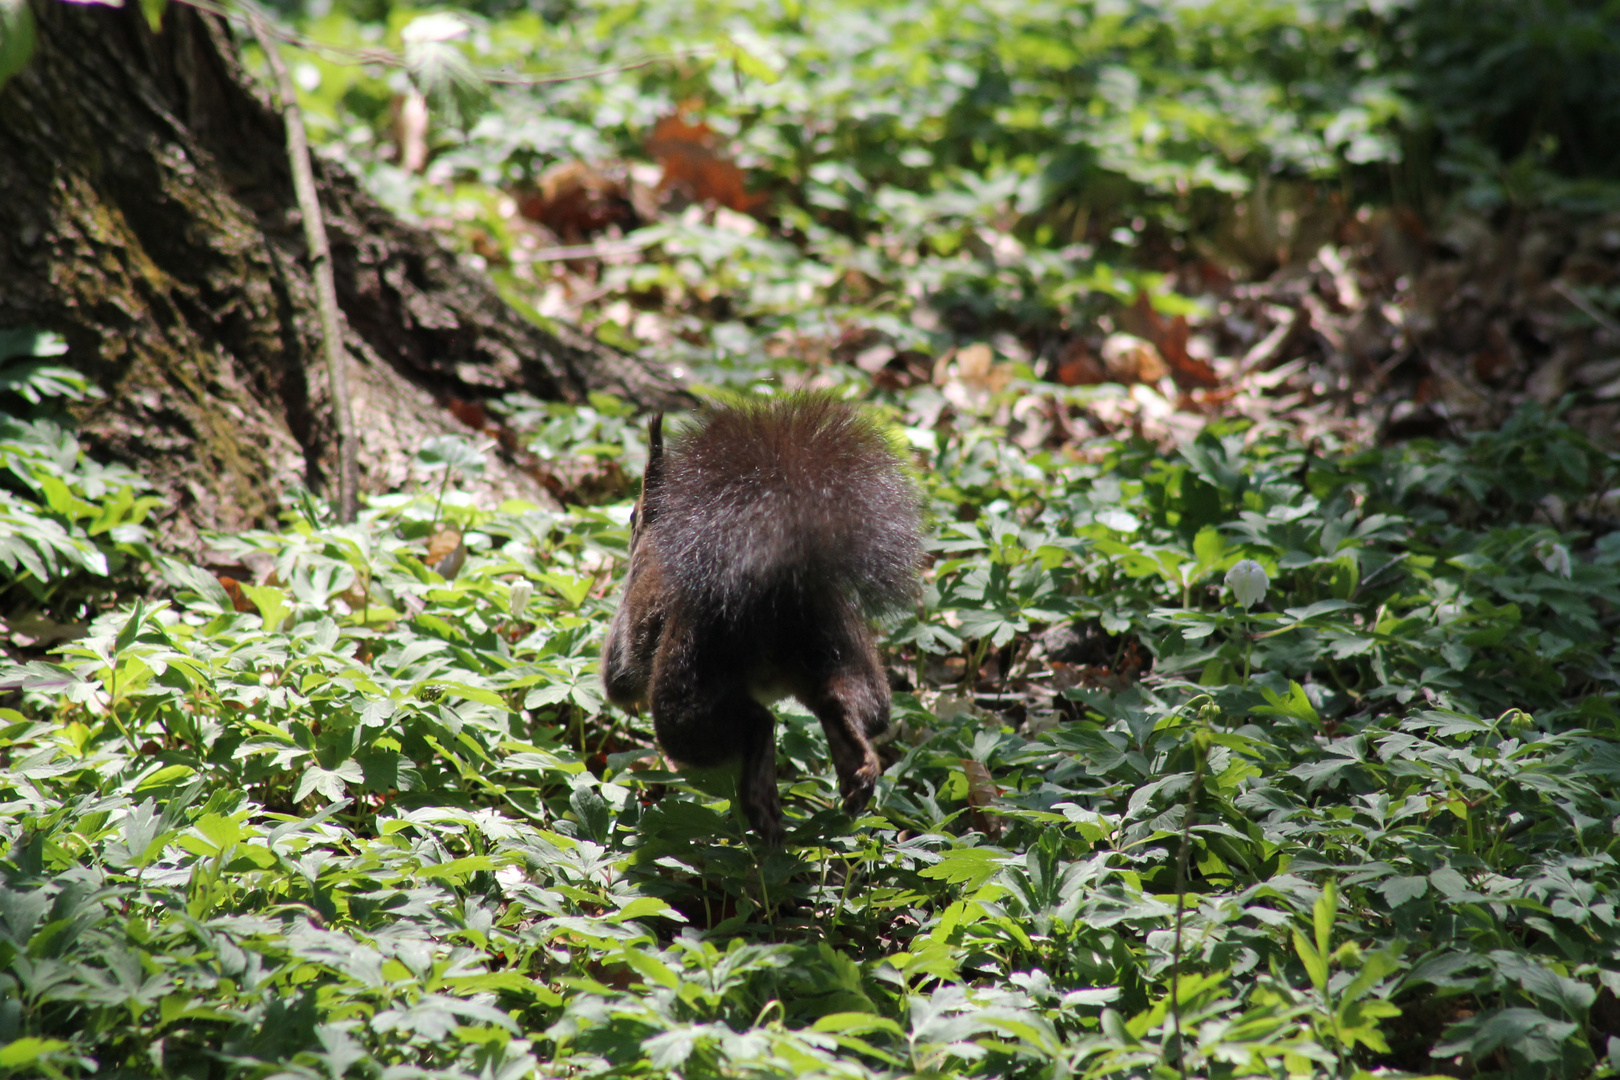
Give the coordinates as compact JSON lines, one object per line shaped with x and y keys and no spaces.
{"x":756,"y":782}
{"x":701,"y":722}
{"x":852,"y":703}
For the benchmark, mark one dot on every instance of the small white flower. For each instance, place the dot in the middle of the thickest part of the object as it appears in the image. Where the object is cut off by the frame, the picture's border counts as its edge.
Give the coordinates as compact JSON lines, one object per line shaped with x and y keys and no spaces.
{"x":1118,"y":520}
{"x":519,"y":599}
{"x":1248,"y":582}
{"x":1555,"y":557}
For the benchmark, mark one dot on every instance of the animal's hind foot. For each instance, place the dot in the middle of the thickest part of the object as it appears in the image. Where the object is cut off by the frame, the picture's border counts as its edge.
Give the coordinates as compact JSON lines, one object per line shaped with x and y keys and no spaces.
{"x":857,"y":786}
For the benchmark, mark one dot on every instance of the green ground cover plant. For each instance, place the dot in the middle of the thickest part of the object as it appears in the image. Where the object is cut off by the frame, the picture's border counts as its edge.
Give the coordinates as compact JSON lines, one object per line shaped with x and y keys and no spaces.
{"x":368,"y":815}
{"x":1023,"y":167}
{"x":1005,"y":166}
{"x":379,"y":820}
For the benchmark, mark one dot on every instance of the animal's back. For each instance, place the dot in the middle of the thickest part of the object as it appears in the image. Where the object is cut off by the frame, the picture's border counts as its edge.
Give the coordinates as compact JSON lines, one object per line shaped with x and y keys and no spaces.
{"x":788,"y":501}
{"x":764,"y":536}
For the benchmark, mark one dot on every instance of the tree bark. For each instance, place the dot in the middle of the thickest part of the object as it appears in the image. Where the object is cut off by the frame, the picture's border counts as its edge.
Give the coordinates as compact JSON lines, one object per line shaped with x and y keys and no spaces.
{"x":147,"y":214}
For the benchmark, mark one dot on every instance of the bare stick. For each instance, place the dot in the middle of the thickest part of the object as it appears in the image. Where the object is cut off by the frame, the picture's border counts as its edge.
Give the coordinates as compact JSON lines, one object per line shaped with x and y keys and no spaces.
{"x":388,"y":58}
{"x":1587,"y":308}
{"x":320,"y":264}
{"x":605,"y":250}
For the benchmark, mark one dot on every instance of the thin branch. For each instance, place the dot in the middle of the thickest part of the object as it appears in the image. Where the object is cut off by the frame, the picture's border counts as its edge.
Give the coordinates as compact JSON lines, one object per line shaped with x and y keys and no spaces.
{"x":519,"y":79}
{"x":320,"y":259}
{"x":604,"y":250}
{"x":1587,"y":308}
{"x":389,"y":58}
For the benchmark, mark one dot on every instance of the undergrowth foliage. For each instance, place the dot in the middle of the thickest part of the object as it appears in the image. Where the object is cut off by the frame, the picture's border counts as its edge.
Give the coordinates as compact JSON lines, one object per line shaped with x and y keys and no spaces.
{"x":364,"y":819}
{"x":1251,"y":758}
{"x":69,"y":527}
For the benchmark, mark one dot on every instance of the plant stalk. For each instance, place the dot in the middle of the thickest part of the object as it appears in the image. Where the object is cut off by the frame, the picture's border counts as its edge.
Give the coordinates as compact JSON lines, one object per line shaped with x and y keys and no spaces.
{"x":320,"y":266}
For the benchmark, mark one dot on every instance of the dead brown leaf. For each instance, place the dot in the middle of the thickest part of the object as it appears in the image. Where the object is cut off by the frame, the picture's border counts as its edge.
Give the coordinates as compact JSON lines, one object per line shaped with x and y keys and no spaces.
{"x":691,"y":158}
{"x":239,"y":599}
{"x":982,"y":794}
{"x":446,"y":553}
{"x":1075,"y":366}
{"x":1170,"y":339}
{"x":577,"y":200}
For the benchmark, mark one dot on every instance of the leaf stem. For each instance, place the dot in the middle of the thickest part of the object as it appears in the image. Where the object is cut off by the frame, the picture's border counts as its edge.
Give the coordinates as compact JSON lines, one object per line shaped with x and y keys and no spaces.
{"x":1182,"y":858}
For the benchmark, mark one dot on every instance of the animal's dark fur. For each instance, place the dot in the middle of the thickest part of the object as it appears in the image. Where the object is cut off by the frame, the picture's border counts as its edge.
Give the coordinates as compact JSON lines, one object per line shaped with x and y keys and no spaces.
{"x":764,"y":538}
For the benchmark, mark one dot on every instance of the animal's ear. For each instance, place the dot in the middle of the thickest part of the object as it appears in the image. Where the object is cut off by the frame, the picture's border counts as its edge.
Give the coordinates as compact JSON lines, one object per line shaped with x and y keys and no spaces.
{"x":655,"y":452}
{"x":655,"y":440}
{"x":646,"y":505}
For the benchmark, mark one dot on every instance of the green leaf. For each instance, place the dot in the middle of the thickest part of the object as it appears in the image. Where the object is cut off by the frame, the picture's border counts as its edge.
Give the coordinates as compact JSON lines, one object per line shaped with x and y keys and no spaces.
{"x":966,"y":867}
{"x":670,"y":1049}
{"x":593,"y":811}
{"x":1530,"y":1032}
{"x":1296,"y":705}
{"x":447,"y":451}
{"x":16,"y":48}
{"x":573,"y":589}
{"x":332,"y":783}
{"x":652,"y":968}
{"x":1374,"y":967}
{"x":1449,"y":882}
{"x":1210,"y":548}
{"x":271,"y":602}
{"x":643,"y":907}
{"x":753,"y":55}
{"x":1317,"y":610}
{"x":1398,"y":890}
{"x":1323,"y":912}
{"x":857,"y":1023}
{"x":458,"y":870}
{"x":220,"y":831}
{"x":1315,"y":963}
{"x":20,"y":1053}
{"x":475,"y":693}
{"x":131,"y":629}
{"x":169,"y":774}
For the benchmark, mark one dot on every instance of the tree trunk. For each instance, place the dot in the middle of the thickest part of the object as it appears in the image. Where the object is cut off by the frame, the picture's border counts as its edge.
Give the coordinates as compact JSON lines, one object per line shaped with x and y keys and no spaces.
{"x":147,"y":214}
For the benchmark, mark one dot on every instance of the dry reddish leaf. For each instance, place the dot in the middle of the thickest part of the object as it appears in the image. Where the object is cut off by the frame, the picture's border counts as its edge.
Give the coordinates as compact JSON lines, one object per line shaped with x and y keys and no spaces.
{"x":239,"y":600}
{"x":691,"y":159}
{"x":471,"y":413}
{"x":1133,"y":660}
{"x":580,"y":481}
{"x":1140,"y":319}
{"x":982,"y":794}
{"x":1174,"y":349}
{"x":1210,"y":277}
{"x":1075,"y":366}
{"x":1170,"y":339}
{"x":487,"y":248}
{"x":576,"y":200}
{"x":1212,"y":400}
{"x":974,"y":362}
{"x":973,"y":366}
{"x":446,"y":553}
{"x":1129,"y":359}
